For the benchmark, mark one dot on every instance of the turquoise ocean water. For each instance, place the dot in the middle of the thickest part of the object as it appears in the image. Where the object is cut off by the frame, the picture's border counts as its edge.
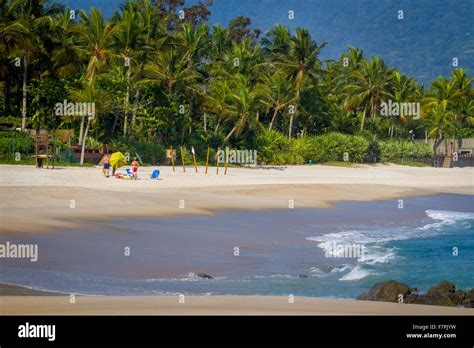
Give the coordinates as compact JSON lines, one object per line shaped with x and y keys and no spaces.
{"x":277,"y":252}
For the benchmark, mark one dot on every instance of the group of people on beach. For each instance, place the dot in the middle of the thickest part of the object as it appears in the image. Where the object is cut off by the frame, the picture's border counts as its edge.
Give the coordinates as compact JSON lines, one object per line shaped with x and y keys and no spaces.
{"x":106,"y":167}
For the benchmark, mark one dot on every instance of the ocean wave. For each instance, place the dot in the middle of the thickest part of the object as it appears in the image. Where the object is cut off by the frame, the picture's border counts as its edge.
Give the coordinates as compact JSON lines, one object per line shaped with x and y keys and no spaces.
{"x":373,"y":241}
{"x":446,"y":218}
{"x":356,"y":273}
{"x":378,"y":255}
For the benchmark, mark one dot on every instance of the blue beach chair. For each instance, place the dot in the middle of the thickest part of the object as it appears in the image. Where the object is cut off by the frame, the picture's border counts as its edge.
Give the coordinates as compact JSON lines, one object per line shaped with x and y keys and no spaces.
{"x":155,"y":174}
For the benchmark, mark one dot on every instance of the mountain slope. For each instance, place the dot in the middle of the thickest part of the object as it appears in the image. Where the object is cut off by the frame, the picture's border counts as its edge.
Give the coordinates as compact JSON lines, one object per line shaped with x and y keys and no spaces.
{"x":422,"y":44}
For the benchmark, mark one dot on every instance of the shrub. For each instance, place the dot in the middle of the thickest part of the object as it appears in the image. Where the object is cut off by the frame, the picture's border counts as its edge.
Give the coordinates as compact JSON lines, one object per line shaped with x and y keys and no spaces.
{"x":307,"y":148}
{"x":274,"y":148}
{"x":333,"y":146}
{"x":393,"y":150}
{"x":10,"y":143}
{"x":149,"y":152}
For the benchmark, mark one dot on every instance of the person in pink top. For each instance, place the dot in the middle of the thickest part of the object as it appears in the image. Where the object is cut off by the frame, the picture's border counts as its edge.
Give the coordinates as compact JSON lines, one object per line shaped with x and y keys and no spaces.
{"x":135,"y":166}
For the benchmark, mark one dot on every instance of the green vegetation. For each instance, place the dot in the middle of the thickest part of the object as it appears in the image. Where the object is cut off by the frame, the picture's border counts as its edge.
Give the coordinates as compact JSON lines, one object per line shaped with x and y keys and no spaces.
{"x":392,"y":151}
{"x":158,"y":81}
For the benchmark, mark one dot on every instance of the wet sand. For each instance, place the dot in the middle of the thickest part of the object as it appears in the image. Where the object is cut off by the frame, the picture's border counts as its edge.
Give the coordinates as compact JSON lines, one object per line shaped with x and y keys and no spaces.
{"x":15,"y":290}
{"x":40,"y":199}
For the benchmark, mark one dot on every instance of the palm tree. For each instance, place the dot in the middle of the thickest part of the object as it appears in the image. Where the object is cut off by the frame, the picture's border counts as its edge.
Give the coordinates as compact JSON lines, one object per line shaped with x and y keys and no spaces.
{"x":370,"y":87}
{"x":171,"y":68}
{"x":277,"y":94}
{"x":154,"y":36}
{"x":220,"y":43}
{"x":96,"y":42}
{"x":301,"y":63}
{"x":90,"y":93}
{"x":439,"y":122}
{"x":215,"y":100}
{"x":67,"y":56}
{"x":128,"y":40}
{"x":277,"y":41}
{"x":404,"y":89}
{"x":464,"y":95}
{"x":242,"y":105}
{"x":21,"y":29}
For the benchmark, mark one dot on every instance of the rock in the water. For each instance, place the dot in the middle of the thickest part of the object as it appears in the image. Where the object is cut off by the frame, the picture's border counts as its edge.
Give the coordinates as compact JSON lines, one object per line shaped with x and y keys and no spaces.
{"x":444,"y":294}
{"x":469,"y":299}
{"x":302,"y":276}
{"x":388,"y":291}
{"x":443,"y":288}
{"x":204,"y":275}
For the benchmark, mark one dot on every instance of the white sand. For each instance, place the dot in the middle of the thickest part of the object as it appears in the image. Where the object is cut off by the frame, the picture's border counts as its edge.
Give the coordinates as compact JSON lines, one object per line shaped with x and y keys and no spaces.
{"x":392,"y":175}
{"x":36,"y":199}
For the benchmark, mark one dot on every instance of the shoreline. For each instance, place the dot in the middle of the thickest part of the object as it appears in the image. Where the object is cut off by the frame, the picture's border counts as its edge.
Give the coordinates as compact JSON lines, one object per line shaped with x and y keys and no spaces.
{"x":21,"y":291}
{"x":50,"y":216}
{"x":68,"y":197}
{"x":211,"y":305}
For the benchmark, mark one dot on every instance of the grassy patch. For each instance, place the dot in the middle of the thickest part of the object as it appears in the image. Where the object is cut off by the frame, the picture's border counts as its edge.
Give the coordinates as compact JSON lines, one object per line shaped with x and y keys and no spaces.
{"x":412,"y":163}
{"x":340,"y":164}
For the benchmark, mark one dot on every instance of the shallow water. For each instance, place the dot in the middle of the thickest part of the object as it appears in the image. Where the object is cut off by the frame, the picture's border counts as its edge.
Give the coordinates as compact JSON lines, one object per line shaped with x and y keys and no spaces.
{"x":280,"y":252}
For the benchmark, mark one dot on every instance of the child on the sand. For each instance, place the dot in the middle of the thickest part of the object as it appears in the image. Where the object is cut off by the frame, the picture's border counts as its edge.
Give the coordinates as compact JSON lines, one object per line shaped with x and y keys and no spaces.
{"x":106,"y":166}
{"x":135,"y":166}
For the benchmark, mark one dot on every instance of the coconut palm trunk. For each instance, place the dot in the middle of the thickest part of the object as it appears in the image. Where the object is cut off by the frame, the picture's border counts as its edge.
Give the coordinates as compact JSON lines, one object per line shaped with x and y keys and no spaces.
{"x":81,"y":130}
{"x":290,"y":127}
{"x":230,"y":134}
{"x":83,"y":148}
{"x":217,"y":126}
{"x":275,"y":113}
{"x":127,"y":104}
{"x":25,"y":76}
{"x":363,"y":119}
{"x":134,"y":115}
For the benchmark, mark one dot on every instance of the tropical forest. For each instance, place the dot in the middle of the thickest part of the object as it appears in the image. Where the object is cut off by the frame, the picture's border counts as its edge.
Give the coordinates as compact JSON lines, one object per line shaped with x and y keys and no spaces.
{"x":161,"y":75}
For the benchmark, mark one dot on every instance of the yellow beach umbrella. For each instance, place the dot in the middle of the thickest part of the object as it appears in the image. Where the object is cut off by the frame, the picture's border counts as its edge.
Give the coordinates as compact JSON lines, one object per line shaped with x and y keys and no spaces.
{"x":117,"y":160}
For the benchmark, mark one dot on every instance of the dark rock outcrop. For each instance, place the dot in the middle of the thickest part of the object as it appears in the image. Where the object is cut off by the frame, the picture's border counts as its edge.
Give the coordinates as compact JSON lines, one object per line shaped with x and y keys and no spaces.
{"x":204,"y":275}
{"x":388,"y":291}
{"x":469,"y":299}
{"x":444,"y":294}
{"x":441,"y":294}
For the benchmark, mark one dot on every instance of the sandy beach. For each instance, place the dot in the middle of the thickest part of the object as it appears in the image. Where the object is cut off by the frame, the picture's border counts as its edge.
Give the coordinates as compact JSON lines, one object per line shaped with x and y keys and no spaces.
{"x":67,"y":197}
{"x":212,"y":305}
{"x":39,"y":200}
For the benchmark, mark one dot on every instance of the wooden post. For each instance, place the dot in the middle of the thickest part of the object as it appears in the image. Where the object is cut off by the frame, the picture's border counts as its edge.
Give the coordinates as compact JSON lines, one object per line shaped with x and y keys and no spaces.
{"x":172,"y":157}
{"x":207,"y":159}
{"x":182,"y":159}
{"x":194,"y":158}
{"x":217,"y":160}
{"x":226,"y":162}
